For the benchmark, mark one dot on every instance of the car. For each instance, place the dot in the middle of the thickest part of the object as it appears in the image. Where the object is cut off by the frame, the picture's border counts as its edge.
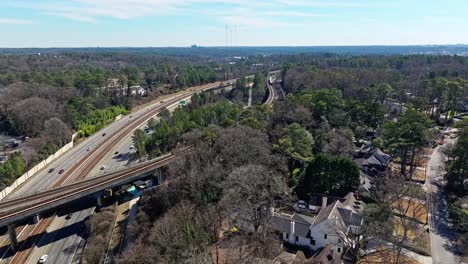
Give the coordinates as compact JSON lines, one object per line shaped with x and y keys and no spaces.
{"x":43,"y":259}
{"x":61,"y":171}
{"x":116,"y":153}
{"x":103,"y":167}
{"x":104,"y":134}
{"x":130,"y":117}
{"x":302,"y":204}
{"x":68,"y":216}
{"x":132,"y":147}
{"x":87,"y":149}
{"x":51,"y":170}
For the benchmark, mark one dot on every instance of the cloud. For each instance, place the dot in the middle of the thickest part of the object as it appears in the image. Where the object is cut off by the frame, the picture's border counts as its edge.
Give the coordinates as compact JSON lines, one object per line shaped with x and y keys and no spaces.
{"x":93,"y":10}
{"x":10,"y":21}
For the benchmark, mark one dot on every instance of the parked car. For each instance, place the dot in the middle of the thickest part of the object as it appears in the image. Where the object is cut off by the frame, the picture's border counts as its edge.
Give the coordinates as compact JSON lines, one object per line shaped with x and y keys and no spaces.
{"x":51,"y":170}
{"x":43,"y":259}
{"x":61,"y":171}
{"x":302,"y":204}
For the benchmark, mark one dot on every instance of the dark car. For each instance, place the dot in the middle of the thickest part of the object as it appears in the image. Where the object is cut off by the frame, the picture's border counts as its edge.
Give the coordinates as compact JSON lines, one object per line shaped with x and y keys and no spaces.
{"x":68,"y":216}
{"x":116,"y":153}
{"x":104,"y":134}
{"x":61,"y":171}
{"x":51,"y":170}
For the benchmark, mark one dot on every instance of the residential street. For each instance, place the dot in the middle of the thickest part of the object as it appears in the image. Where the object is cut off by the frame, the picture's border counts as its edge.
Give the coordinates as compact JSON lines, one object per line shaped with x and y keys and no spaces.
{"x":442,"y":245}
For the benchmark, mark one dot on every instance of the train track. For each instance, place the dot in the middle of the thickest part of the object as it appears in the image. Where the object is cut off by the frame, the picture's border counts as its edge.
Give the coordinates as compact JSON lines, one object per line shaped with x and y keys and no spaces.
{"x":95,"y":155}
{"x":49,"y":197}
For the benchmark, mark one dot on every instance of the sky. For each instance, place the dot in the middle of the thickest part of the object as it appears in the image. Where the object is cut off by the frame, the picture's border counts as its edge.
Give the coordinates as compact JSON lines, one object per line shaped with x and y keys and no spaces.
{"x":181,"y":23}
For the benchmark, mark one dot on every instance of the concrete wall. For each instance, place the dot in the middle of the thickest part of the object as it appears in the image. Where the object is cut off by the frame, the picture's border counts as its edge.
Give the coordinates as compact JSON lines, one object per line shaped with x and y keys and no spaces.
{"x":37,"y":168}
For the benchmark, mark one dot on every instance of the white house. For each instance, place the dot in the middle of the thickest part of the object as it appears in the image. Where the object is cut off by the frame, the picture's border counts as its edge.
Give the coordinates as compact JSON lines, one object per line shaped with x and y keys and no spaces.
{"x":336,"y":225}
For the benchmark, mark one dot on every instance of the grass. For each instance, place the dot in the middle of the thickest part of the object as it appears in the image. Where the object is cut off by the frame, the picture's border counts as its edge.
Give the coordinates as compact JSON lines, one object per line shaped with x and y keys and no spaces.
{"x":411,"y":208}
{"x":414,"y":191}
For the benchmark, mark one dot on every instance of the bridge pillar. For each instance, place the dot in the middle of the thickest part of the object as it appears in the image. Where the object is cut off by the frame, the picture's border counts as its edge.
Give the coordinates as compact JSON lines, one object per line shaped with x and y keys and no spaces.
{"x":36,"y":218}
{"x":158,"y":177}
{"x":12,"y":235}
{"x":99,"y":201}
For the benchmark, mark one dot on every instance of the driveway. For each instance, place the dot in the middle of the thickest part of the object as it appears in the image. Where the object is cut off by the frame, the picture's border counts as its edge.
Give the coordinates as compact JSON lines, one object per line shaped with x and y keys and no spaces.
{"x":443,"y":248}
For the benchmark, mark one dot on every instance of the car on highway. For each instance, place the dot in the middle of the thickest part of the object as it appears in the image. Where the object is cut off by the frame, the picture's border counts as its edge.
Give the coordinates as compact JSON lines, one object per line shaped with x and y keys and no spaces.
{"x":51,"y":170}
{"x":69,"y":216}
{"x":104,"y":134}
{"x":43,"y":259}
{"x":61,"y":171}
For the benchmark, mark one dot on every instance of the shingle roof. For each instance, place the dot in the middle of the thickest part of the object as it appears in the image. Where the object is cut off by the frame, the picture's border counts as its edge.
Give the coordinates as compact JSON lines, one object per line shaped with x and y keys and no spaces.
{"x":282,"y":222}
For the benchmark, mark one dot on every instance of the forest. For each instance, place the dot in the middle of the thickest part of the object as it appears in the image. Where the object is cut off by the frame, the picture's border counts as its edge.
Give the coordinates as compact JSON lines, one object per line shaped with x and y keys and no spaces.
{"x":245,"y":159}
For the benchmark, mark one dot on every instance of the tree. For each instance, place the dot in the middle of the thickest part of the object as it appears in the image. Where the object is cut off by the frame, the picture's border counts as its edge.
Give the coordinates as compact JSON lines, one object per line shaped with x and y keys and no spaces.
{"x":249,"y":193}
{"x":56,"y":132}
{"x":457,"y":162}
{"x":30,"y":115}
{"x":383,"y":91}
{"x":258,"y":89}
{"x":296,"y":144}
{"x":329,"y":175}
{"x":323,"y":102}
{"x":407,"y":136}
{"x":139,"y":140}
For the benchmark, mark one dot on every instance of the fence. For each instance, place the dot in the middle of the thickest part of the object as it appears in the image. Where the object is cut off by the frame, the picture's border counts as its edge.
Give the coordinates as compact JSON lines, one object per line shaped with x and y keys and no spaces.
{"x":36,"y":168}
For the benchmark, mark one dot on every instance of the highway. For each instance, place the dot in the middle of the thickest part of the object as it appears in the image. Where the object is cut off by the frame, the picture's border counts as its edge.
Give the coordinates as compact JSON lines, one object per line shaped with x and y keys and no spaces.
{"x":82,"y":161}
{"x":85,"y":160}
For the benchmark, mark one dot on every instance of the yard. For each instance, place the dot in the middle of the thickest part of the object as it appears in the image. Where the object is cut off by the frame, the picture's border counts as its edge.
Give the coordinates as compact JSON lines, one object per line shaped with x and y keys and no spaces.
{"x":411,"y":208}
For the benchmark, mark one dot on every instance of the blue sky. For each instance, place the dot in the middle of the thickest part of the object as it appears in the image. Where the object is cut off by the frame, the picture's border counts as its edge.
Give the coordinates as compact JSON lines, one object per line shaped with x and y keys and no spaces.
{"x":143,"y":23}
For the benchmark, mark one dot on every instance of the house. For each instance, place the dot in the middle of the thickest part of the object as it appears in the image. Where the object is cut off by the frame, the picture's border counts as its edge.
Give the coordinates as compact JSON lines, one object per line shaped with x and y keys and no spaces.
{"x":335,"y":222}
{"x":373,"y":162}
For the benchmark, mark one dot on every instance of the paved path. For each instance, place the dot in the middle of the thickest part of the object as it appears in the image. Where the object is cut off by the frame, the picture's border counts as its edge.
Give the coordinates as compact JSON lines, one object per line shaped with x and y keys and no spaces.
{"x":443,"y":249}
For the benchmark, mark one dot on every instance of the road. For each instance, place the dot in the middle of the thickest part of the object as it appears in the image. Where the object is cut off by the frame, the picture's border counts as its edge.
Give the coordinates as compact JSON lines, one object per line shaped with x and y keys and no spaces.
{"x":43,"y":180}
{"x":443,"y":249}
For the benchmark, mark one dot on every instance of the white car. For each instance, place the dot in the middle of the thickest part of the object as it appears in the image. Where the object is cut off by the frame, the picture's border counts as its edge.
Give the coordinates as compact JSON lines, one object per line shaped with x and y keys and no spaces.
{"x":43,"y":259}
{"x":302,"y":204}
{"x":103,"y":167}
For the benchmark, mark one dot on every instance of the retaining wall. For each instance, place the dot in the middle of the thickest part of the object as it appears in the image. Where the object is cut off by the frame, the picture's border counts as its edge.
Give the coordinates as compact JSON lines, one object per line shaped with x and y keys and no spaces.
{"x":36,"y":168}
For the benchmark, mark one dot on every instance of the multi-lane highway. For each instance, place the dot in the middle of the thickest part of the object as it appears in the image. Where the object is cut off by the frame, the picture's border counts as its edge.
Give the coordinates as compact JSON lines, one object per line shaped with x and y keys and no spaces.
{"x":84,"y":160}
{"x":57,"y":235}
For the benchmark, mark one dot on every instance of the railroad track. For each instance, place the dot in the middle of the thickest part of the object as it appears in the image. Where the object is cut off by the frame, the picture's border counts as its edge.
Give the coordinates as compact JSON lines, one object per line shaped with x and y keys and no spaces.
{"x":96,"y":154}
{"x":68,"y":191}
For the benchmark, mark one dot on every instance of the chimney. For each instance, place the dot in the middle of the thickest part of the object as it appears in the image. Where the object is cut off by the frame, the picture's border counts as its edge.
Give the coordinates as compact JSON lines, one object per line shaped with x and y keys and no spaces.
{"x":292,"y":236}
{"x":324,"y":202}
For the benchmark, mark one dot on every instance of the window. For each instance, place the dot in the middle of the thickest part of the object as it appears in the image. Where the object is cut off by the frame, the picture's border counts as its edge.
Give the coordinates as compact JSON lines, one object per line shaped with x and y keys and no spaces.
{"x":312,"y":242}
{"x":297,"y":238}
{"x":287,"y":236}
{"x":325,"y":236}
{"x":339,"y":250}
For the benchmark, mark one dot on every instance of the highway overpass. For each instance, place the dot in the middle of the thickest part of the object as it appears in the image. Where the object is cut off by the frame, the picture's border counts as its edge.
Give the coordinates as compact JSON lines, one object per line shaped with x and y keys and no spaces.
{"x":18,"y":209}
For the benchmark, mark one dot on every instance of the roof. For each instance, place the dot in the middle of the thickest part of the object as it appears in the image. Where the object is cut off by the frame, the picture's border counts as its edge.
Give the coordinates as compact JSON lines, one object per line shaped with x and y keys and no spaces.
{"x":350,"y":210}
{"x":325,"y":255}
{"x":325,"y":213}
{"x":282,"y":222}
{"x":349,"y":217}
{"x":374,"y":157}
